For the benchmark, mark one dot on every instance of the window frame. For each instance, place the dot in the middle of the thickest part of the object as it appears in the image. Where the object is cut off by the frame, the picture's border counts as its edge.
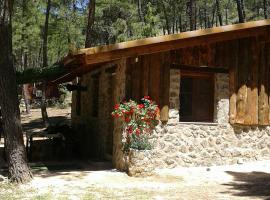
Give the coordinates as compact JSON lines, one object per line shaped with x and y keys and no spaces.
{"x":205,"y":75}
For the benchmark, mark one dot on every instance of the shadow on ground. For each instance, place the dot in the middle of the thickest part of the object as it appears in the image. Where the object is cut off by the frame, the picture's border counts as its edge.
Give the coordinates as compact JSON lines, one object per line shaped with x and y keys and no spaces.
{"x":73,"y":169}
{"x":38,"y":124}
{"x":252,"y":184}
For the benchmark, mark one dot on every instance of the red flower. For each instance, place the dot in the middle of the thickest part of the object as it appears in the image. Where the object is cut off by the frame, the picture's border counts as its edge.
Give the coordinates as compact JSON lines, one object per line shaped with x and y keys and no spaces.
{"x":129,"y":129}
{"x":127,"y":119}
{"x":140,"y":106}
{"x":138,"y":131}
{"x":116,"y":106}
{"x":146,"y":97}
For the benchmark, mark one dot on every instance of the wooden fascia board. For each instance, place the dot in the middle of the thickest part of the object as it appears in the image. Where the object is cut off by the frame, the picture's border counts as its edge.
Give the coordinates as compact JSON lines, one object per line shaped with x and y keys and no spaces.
{"x":166,"y":38}
{"x":161,"y":46}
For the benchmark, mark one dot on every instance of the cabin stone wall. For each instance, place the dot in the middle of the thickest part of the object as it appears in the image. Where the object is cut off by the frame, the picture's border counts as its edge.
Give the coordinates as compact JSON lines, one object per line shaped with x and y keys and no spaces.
{"x":205,"y":144}
{"x":98,"y":136}
{"x":176,"y":143}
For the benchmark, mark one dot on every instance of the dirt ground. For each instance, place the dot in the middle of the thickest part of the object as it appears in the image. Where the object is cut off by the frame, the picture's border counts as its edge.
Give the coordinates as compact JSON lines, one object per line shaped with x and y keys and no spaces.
{"x":98,"y":180}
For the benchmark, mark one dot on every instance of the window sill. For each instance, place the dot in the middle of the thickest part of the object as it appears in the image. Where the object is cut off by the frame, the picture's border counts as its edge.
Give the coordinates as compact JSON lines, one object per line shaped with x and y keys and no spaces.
{"x":200,"y":123}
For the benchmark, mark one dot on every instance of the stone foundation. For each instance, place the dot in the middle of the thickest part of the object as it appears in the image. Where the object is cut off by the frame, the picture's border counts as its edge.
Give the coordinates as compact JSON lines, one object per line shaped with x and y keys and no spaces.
{"x":178,"y":144}
{"x":140,"y":163}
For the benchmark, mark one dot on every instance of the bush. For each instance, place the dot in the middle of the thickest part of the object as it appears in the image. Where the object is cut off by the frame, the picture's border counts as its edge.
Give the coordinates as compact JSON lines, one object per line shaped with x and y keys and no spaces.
{"x":139,"y":122}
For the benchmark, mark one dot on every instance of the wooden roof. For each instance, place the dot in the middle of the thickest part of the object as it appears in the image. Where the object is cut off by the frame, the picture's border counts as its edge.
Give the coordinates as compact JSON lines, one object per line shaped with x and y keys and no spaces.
{"x":84,"y":60}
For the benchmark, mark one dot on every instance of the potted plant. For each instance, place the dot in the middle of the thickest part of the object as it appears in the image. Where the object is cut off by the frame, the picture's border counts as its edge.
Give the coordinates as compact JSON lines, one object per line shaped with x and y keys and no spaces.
{"x":139,"y":121}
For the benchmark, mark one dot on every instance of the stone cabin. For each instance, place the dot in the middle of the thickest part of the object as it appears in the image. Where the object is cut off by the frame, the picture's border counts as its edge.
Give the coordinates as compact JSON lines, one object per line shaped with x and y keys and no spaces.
{"x":212,"y":87}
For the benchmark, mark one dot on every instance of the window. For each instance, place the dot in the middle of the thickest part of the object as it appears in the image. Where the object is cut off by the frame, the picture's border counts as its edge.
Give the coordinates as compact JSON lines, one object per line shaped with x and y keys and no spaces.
{"x":196,"y":97}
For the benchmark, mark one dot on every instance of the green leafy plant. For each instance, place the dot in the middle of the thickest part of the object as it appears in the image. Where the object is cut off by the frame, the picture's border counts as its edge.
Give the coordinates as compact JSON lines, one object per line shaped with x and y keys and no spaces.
{"x":139,"y":122}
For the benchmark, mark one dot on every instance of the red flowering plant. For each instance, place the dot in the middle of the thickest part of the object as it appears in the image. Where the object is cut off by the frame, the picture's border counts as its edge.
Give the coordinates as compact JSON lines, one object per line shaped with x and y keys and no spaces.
{"x":139,"y":122}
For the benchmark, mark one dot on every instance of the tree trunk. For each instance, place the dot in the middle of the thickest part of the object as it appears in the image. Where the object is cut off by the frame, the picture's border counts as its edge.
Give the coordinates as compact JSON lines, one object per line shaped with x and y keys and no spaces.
{"x":265,"y":9}
{"x":26,"y":96}
{"x":180,"y":22}
{"x":174,"y":27}
{"x":219,"y":13}
{"x":44,"y":113}
{"x":226,"y":15}
{"x":166,"y":18}
{"x":90,"y":24}
{"x":213,"y":15}
{"x":24,"y":59}
{"x":205,"y":15}
{"x":191,"y":9}
{"x":18,"y":169}
{"x":243,"y":9}
{"x":140,"y":13}
{"x":240,"y":11}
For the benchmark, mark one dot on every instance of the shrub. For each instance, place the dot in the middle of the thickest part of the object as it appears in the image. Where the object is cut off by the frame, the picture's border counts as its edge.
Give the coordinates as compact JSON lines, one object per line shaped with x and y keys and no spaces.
{"x":139,"y":122}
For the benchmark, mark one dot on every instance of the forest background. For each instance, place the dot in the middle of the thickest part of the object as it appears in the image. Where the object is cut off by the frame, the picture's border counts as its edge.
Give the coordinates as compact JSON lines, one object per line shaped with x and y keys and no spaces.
{"x":102,"y":22}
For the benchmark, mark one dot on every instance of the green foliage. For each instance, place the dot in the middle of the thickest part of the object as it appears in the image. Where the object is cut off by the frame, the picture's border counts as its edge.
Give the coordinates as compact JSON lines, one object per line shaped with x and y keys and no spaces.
{"x":139,"y":142}
{"x":39,"y":74}
{"x":63,"y":101}
{"x":115,"y":21}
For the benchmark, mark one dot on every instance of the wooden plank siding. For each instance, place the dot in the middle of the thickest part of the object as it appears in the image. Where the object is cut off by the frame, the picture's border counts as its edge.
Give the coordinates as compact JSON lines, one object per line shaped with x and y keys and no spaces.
{"x":149,"y":75}
{"x":249,"y":82}
{"x":247,"y":61}
{"x":264,"y":85}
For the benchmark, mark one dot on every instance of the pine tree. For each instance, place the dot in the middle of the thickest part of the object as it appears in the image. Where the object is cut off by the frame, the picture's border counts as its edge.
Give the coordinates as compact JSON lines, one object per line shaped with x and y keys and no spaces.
{"x":15,"y":150}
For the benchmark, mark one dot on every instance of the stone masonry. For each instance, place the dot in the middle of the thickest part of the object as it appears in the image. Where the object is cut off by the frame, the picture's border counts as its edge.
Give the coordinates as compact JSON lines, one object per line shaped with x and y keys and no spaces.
{"x":175,"y":143}
{"x":205,"y":144}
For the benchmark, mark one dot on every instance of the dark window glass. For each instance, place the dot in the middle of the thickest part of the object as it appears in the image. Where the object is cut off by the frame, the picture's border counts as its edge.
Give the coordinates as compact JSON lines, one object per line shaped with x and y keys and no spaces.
{"x":196,"y":98}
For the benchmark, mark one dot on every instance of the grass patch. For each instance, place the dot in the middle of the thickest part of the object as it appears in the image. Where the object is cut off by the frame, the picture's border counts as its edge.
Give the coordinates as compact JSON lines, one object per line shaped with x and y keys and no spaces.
{"x":114,"y":194}
{"x":10,"y":191}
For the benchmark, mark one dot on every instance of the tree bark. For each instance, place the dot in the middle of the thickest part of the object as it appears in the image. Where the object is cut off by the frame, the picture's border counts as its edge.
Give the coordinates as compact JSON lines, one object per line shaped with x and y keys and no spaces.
{"x":265,"y":9}
{"x":166,"y":18}
{"x":191,"y":9}
{"x":243,"y":9}
{"x":90,"y":24}
{"x":140,"y":13}
{"x":219,"y":13}
{"x":240,"y":11}
{"x":213,"y":15}
{"x":205,"y":15}
{"x":27,"y":98}
{"x":44,"y":113}
{"x":18,"y":169}
{"x":24,"y":59}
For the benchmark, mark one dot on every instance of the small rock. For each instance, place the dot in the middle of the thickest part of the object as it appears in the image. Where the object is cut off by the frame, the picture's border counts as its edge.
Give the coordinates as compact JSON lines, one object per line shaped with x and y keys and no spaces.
{"x":240,"y":161}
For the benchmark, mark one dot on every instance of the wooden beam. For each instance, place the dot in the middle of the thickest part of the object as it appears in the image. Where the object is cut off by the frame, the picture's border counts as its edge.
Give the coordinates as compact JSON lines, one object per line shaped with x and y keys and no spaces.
{"x":199,"y":69}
